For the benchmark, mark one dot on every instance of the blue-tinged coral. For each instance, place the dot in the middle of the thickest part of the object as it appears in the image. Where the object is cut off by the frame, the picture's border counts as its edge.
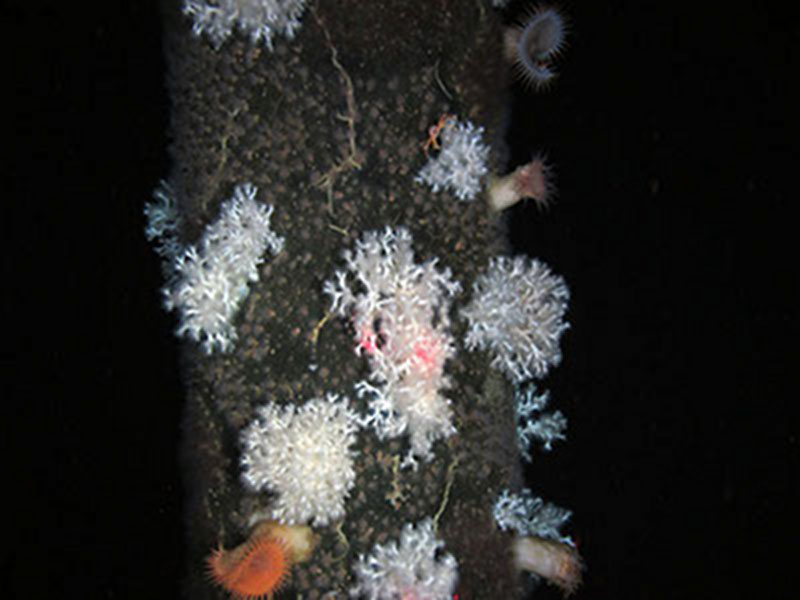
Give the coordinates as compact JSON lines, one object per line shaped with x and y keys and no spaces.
{"x":526,"y":514}
{"x":163,"y":227}
{"x":544,"y":427}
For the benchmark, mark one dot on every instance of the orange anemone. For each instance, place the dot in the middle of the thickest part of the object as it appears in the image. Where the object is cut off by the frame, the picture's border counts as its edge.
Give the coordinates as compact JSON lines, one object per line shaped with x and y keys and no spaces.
{"x":253,"y":570}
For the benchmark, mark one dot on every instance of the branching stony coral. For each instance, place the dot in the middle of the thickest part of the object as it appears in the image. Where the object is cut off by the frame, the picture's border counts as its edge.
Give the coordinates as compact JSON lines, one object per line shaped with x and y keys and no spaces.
{"x":539,"y":546}
{"x":517,"y":311}
{"x":399,"y":310}
{"x":528,"y":515}
{"x":461,"y":162}
{"x":303,"y":455}
{"x":210,"y":280}
{"x":545,"y":427}
{"x":410,"y":569}
{"x":163,"y":225}
{"x":260,"y":19}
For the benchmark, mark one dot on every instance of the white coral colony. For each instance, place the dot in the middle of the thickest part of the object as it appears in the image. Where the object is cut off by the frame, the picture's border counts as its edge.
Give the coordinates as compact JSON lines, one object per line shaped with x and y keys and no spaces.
{"x":409,"y":569}
{"x":399,"y":310}
{"x":461,"y":162}
{"x":517,"y":312}
{"x":304,"y":456}
{"x":260,"y":19}
{"x":207,"y":282}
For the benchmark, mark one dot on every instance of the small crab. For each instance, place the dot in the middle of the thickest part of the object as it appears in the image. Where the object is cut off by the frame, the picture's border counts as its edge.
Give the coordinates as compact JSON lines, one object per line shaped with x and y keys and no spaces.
{"x":446,"y":120}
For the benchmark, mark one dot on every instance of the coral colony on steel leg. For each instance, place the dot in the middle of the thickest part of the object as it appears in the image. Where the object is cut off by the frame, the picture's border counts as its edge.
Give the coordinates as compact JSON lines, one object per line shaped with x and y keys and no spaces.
{"x":363,"y":356}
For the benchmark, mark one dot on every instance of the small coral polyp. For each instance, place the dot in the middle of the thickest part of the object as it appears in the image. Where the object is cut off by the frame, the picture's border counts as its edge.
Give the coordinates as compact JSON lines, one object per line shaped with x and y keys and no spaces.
{"x":428,"y":355}
{"x":399,"y":310}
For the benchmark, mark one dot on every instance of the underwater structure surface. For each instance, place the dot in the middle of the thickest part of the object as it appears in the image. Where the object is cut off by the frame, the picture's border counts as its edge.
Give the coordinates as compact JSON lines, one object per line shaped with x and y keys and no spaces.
{"x":363,"y":354}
